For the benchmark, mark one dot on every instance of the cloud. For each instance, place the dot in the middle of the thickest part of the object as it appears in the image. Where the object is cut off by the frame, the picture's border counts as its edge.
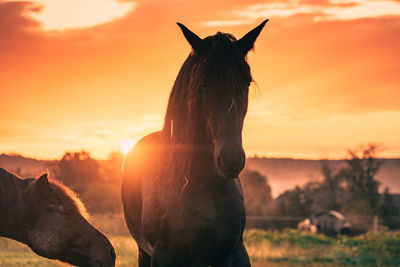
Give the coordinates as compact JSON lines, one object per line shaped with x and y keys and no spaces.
{"x":12,"y":15}
{"x":363,"y":9}
{"x":99,"y":137}
{"x":320,"y":137}
{"x":308,"y":69}
{"x":56,"y":85}
{"x":71,"y":14}
{"x":319,"y":10}
{"x":219,"y":23}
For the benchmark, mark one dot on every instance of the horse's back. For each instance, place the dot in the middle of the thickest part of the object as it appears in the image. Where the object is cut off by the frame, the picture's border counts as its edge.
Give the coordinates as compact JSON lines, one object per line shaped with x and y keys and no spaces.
{"x":141,"y":155}
{"x":140,"y":161}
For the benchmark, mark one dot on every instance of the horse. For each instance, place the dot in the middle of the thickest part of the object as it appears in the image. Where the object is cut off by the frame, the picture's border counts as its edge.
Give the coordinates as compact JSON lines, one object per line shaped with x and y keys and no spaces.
{"x":182,"y":199}
{"x":49,"y":218}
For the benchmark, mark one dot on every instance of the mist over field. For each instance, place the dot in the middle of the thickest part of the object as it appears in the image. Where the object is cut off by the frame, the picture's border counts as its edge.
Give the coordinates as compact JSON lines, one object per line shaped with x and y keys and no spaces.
{"x":285,"y":173}
{"x":282,"y":173}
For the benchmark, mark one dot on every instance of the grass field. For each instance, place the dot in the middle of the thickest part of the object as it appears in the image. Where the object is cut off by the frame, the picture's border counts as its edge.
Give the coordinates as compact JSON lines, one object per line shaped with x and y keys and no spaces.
{"x":285,"y":248}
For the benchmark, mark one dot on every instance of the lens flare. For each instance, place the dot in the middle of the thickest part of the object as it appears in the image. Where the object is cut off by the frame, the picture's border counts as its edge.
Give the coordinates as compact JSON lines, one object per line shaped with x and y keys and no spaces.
{"x":126,"y":145}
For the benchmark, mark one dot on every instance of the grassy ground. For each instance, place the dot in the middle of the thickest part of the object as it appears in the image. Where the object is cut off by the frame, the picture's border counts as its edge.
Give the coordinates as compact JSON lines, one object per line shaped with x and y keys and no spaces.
{"x":286,"y":248}
{"x":291,"y":247}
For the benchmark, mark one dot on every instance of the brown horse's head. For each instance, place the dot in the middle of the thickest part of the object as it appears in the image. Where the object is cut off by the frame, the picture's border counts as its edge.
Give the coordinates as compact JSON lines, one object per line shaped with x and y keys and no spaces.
{"x":58,"y":228}
{"x":211,"y":92}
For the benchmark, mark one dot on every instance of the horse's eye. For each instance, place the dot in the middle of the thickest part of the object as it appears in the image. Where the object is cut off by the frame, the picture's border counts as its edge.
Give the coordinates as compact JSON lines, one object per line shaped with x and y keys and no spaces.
{"x":67,"y":208}
{"x":52,"y":208}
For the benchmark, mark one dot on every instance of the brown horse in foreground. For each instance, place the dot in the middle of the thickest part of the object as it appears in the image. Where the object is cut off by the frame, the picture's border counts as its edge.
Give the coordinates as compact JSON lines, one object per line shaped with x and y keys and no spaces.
{"x":50,"y":219}
{"x":182,"y":199}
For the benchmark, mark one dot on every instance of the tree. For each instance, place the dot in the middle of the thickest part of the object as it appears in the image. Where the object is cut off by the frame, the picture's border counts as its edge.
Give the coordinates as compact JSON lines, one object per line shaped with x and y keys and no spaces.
{"x":296,"y":203}
{"x":257,"y":192}
{"x":333,"y":184}
{"x":96,"y":182}
{"x":388,"y":211}
{"x":359,"y":175}
{"x":78,"y":170}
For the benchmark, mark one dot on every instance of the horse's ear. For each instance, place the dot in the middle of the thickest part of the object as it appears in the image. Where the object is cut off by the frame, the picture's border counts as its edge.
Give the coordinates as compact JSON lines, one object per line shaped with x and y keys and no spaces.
{"x":246,"y":43}
{"x":42,"y":184}
{"x":195,"y":41}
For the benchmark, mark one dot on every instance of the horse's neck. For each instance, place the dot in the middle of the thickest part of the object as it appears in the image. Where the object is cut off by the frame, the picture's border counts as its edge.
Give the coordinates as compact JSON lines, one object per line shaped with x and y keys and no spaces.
{"x":199,"y":159}
{"x":11,"y":210}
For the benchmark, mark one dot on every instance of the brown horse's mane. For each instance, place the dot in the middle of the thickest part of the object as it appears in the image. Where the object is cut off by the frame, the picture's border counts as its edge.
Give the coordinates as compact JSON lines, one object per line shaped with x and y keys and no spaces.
{"x":12,"y":187}
{"x":221,"y":72}
{"x":68,"y":196}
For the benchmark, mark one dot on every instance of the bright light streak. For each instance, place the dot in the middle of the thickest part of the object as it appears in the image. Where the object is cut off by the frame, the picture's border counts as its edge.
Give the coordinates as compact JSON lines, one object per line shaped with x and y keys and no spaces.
{"x":126,"y":145}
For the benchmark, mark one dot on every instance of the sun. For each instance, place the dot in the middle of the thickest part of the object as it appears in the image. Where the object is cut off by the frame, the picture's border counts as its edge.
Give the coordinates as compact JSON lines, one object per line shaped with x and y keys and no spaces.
{"x":126,"y":145}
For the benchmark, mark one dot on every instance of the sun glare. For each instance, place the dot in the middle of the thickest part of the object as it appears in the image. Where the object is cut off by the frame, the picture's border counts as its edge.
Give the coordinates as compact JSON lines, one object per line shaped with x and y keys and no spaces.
{"x":69,"y":14}
{"x":126,"y":145}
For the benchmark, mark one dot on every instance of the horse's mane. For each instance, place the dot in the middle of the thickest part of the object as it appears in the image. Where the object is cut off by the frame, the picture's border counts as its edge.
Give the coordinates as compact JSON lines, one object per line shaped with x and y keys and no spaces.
{"x":11,"y":187}
{"x":68,"y":196}
{"x":222,"y":72}
{"x":223,"y":64}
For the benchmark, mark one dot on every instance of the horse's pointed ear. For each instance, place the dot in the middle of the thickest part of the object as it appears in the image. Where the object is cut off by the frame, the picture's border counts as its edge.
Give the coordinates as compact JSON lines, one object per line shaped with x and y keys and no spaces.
{"x":195,"y":41}
{"x":42,"y":184}
{"x":246,"y":43}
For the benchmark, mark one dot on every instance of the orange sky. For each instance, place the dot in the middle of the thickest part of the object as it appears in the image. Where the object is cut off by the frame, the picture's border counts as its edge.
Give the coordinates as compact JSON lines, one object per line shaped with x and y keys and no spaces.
{"x":79,"y":76}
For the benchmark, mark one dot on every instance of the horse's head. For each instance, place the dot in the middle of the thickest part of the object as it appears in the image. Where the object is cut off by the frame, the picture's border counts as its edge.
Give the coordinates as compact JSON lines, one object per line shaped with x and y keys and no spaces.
{"x":58,"y":229}
{"x":221,"y":77}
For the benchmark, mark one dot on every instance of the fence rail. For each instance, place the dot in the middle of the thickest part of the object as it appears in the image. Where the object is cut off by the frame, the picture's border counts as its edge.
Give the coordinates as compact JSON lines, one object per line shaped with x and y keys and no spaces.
{"x":114,"y":223}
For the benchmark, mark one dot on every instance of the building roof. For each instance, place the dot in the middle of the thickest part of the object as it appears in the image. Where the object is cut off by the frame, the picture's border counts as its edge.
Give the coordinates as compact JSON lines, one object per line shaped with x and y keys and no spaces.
{"x":333,"y":213}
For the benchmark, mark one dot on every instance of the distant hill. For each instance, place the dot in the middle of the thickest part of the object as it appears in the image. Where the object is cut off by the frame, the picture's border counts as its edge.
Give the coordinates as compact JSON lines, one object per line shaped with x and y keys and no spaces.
{"x":22,"y":166}
{"x":282,"y":173}
{"x":285,"y":173}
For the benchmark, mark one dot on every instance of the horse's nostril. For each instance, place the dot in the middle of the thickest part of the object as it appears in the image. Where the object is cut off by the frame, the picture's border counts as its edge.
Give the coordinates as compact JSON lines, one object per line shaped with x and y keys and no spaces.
{"x":230,"y":162}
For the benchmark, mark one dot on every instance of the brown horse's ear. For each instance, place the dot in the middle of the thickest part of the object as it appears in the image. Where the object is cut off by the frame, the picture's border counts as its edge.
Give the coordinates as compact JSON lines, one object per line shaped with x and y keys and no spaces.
{"x":195,"y":41}
{"x":42,"y":184}
{"x":246,"y":43}
{"x":40,"y":190}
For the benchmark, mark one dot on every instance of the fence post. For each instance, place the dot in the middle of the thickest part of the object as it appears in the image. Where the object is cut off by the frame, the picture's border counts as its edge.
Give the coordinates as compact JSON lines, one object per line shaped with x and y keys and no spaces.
{"x":375,"y":223}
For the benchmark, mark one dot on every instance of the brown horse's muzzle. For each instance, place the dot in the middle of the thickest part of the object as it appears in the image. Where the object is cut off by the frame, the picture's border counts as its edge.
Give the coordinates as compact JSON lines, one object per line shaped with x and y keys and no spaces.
{"x":229,"y":160}
{"x":102,"y":253}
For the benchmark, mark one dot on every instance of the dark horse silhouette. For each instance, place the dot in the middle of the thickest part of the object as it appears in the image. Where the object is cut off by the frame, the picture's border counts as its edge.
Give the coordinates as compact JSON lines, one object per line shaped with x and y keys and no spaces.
{"x":50,"y":219}
{"x":180,"y":203}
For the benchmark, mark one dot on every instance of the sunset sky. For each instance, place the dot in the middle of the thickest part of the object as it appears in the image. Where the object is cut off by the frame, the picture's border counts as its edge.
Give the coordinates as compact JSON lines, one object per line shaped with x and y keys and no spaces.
{"x":94,"y":74}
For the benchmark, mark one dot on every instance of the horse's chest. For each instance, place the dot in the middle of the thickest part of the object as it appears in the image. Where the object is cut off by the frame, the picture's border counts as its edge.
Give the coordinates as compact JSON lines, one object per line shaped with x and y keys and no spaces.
{"x":210,"y":219}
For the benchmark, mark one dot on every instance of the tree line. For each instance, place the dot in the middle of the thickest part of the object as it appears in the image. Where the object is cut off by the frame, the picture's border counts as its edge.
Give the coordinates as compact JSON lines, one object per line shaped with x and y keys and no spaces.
{"x":352,"y":189}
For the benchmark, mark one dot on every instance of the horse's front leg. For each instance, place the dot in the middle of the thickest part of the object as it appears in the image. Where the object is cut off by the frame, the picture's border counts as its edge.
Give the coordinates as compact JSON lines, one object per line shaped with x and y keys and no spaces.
{"x":160,"y":257}
{"x":144,"y":259}
{"x":239,"y":258}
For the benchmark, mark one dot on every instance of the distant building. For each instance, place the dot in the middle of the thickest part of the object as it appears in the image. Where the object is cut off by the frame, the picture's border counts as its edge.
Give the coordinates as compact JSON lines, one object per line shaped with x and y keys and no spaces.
{"x":329,"y":222}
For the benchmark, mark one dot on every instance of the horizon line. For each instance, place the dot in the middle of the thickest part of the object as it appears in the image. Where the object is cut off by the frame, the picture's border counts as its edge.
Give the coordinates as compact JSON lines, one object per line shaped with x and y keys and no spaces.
{"x":13,"y":154}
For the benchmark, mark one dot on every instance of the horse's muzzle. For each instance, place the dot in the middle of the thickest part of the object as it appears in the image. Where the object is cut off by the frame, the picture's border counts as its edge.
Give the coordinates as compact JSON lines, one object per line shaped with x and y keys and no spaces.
{"x":230,"y":167}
